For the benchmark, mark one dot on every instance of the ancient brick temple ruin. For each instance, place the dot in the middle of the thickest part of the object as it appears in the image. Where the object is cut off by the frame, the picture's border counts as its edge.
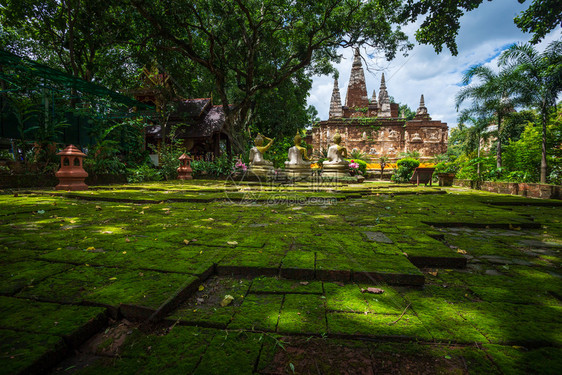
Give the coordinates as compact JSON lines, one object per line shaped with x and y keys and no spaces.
{"x":375,"y":127}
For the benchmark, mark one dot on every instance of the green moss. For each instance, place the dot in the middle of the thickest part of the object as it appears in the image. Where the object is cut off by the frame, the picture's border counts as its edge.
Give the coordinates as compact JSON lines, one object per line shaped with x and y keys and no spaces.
{"x":19,"y":350}
{"x":302,"y":314}
{"x":15,"y":276}
{"x":231,"y":352}
{"x":45,"y":318}
{"x":377,"y":325}
{"x":255,"y":258}
{"x":258,"y":312}
{"x":505,"y":323}
{"x":149,"y":289}
{"x":204,"y":307}
{"x":277,"y":285}
{"x":442,"y":320}
{"x":72,"y":285}
{"x":299,"y":260}
{"x":521,"y":360}
{"x":347,"y":298}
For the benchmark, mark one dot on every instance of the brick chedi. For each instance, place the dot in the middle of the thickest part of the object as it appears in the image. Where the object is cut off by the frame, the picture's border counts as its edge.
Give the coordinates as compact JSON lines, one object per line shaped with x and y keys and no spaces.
{"x":375,"y":127}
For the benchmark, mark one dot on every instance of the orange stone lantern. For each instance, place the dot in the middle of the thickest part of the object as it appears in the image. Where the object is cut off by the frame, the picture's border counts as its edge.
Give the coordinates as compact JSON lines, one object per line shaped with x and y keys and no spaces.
{"x":184,"y":171}
{"x":71,"y":175}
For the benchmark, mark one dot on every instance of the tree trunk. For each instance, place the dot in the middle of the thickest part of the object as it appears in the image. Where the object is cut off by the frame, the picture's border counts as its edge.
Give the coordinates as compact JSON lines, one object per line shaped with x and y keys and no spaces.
{"x":499,"y":150}
{"x":478,"y":156}
{"x":543,"y":153}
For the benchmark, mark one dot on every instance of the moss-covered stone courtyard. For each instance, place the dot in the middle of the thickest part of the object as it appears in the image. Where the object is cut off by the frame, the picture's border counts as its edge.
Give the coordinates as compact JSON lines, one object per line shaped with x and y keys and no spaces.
{"x":130,"y":279}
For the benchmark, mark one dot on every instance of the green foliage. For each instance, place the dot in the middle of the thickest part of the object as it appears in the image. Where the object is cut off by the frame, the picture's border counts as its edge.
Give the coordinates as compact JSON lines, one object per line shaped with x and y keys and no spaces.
{"x":410,"y":154}
{"x":143,"y":173}
{"x":441,"y":23}
{"x":288,"y":42}
{"x":168,"y":161}
{"x":102,"y":159}
{"x":525,"y":154}
{"x":405,"y":170}
{"x":362,"y":170}
{"x":444,"y":167}
{"x":358,"y":155}
{"x":278,"y":152}
{"x":220,"y":167}
{"x":540,"y":18}
{"x":469,"y":167}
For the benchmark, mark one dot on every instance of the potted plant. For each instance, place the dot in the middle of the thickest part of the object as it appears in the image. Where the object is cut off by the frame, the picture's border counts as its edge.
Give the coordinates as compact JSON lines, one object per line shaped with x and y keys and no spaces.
{"x":446,"y":173}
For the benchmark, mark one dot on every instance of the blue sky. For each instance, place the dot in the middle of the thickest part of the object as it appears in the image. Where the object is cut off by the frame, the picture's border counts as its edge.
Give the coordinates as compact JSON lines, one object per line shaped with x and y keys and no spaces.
{"x":483,"y":35}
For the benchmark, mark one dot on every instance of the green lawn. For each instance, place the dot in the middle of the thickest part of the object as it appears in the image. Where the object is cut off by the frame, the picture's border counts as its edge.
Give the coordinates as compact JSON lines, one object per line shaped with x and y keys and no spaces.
{"x":471,"y":281}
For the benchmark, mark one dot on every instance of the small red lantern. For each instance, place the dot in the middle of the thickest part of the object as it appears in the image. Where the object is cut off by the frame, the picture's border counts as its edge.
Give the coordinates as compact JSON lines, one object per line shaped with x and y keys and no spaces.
{"x":71,"y":175}
{"x":184,"y":171}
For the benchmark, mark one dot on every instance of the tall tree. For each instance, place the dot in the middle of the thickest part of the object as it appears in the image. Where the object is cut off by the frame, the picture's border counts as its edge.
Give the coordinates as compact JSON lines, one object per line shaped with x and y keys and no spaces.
{"x":491,"y":96}
{"x":86,"y":38}
{"x":441,"y":23}
{"x":475,"y":134}
{"x":542,"y":81}
{"x":251,"y":47}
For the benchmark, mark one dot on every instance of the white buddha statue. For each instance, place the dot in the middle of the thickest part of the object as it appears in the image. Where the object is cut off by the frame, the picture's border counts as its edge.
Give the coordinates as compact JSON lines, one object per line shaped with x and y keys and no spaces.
{"x":336,"y":153}
{"x":256,"y":152}
{"x":297,"y":154}
{"x":336,"y":165}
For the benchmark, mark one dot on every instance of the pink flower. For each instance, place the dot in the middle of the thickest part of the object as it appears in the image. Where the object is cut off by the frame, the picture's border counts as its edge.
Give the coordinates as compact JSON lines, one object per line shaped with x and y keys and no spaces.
{"x":353,"y":165}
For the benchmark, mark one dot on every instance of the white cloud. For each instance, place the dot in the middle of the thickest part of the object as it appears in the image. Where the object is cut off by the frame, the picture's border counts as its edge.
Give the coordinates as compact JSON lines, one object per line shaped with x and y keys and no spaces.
{"x":484,"y":33}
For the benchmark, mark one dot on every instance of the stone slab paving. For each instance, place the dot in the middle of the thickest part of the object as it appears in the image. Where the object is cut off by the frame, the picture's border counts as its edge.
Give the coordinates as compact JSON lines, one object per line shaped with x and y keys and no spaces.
{"x":491,"y":301}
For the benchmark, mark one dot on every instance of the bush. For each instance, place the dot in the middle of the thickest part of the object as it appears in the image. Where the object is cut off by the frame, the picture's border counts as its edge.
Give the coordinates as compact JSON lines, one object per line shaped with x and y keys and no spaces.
{"x":221,"y":166}
{"x":143,"y":173}
{"x":444,"y":167}
{"x":405,"y":170}
{"x":362,"y":170}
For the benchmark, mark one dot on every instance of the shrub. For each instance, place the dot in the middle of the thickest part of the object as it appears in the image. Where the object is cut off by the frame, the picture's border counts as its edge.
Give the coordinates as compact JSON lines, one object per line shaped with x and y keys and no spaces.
{"x":357,"y":167}
{"x":143,"y":173}
{"x":405,"y":169}
{"x":444,"y":167}
{"x":221,"y":166}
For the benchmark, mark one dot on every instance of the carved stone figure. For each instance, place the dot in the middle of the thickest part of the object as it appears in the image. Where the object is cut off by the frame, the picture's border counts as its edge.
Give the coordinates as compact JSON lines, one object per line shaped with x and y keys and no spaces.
{"x":256,"y":152}
{"x":258,"y":165}
{"x":336,"y":165}
{"x":416,"y":138}
{"x":337,"y":153}
{"x":393,"y":134}
{"x":298,"y":165}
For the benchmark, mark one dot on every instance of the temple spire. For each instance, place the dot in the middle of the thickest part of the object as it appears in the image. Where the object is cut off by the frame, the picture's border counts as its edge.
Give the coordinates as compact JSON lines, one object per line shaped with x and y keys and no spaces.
{"x":384,"y":100}
{"x":374,"y":97}
{"x":357,"y":90}
{"x":421,"y":113}
{"x":335,"y":103}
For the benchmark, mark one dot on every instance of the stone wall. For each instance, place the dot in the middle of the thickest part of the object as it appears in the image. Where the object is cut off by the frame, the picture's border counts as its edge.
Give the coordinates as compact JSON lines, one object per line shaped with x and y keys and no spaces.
{"x":543,"y":191}
{"x":383,"y":137}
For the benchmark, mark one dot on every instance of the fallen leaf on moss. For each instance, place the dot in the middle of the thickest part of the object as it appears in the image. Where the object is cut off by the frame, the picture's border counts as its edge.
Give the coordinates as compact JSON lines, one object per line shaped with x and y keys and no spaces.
{"x":232,"y":243}
{"x":227,"y":300}
{"x":186,"y":242}
{"x":461,"y":251}
{"x":201,"y":287}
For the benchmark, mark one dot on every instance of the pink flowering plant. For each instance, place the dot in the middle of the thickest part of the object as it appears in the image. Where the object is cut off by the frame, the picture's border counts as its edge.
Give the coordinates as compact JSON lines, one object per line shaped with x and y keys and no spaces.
{"x":240,"y":166}
{"x":354,"y":168}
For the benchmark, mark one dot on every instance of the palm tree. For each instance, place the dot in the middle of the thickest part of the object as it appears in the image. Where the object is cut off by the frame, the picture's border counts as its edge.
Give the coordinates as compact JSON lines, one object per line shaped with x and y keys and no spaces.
{"x":475,"y":134}
{"x":541,"y":75}
{"x":492,"y":96}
